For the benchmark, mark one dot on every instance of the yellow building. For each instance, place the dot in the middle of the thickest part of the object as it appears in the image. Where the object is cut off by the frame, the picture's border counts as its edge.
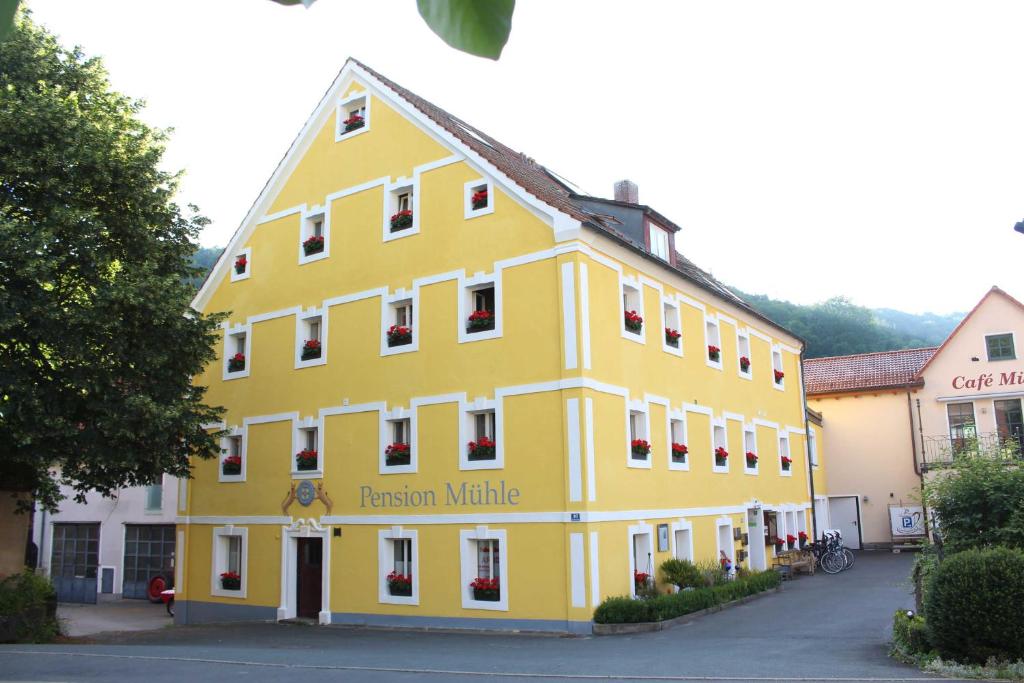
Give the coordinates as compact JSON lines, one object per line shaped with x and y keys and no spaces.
{"x":443,"y":363}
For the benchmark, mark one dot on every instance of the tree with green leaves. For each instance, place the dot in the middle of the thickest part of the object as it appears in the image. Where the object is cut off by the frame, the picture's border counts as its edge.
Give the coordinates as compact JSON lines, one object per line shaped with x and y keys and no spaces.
{"x":98,"y":343}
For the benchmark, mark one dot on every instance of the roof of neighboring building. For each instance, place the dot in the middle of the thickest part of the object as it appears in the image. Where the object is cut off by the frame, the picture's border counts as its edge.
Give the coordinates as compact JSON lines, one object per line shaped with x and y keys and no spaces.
{"x":865,"y":371}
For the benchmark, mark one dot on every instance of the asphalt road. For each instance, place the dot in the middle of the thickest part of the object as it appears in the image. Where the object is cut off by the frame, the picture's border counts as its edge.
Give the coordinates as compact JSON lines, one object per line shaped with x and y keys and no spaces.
{"x":817,"y":629}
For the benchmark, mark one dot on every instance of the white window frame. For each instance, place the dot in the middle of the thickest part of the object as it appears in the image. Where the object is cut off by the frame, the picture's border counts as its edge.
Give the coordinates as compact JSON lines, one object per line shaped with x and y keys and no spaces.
{"x":716,"y":425}
{"x":247,"y":254}
{"x":678,"y":417}
{"x":654,"y":229}
{"x":743,"y":349}
{"x":713,"y":337}
{"x":671,"y":317}
{"x":785,"y":448}
{"x":387,"y":420}
{"x":681,"y":526}
{"x":631,"y":287}
{"x":812,"y":445}
{"x":230,"y":349}
{"x":345,"y":107}
{"x":387,"y":315}
{"x":730,"y":550}
{"x":299,"y":438}
{"x":302,"y":323}
{"x":468,"y":565}
{"x":777,"y":364}
{"x":468,"y":433}
{"x":750,"y":444}
{"x":391,"y":194}
{"x":386,"y":563}
{"x":640,"y":529}
{"x":471,"y":187}
{"x":641,"y":409}
{"x":466,"y":288}
{"x":309,"y":219}
{"x":219,"y":561}
{"x":225,"y":451}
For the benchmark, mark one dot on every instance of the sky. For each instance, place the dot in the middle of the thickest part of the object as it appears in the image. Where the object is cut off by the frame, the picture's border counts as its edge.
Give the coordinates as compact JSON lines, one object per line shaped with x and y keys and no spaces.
{"x":807,"y":149}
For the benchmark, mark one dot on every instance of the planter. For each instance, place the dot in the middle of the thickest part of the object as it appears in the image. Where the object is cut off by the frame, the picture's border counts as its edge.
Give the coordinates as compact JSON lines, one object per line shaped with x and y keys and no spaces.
{"x":786,"y":464}
{"x":633,"y":322}
{"x":354,"y":122}
{"x":313,"y":245}
{"x":231,"y":583}
{"x":401,"y":221}
{"x":480,"y":321}
{"x":397,"y":454}
{"x":240,"y":265}
{"x":305,"y":461}
{"x":714,"y":353}
{"x":672,"y":337}
{"x":640,"y":449}
{"x":311,"y":349}
{"x":744,"y":364}
{"x":751,"y":460}
{"x":399,"y":335}
{"x":483,"y":449}
{"x":232,"y":465}
{"x":236,"y":363}
{"x":400,"y":589}
{"x":778,"y":376}
{"x":486,"y":595}
{"x":679,"y":452}
{"x":479,"y":200}
{"x":721,"y":457}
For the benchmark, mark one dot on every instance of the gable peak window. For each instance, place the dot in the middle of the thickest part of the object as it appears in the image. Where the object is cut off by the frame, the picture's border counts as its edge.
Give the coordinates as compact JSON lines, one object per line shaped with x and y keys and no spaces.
{"x":352,"y":115}
{"x":1000,"y":346}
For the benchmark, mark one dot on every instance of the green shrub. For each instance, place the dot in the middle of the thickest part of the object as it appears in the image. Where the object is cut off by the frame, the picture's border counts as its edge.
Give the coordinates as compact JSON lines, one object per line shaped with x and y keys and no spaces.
{"x":974,"y":603}
{"x":682,"y":573}
{"x":28,"y":609}
{"x":712,"y":572}
{"x":910,"y":634}
{"x":625,"y":610}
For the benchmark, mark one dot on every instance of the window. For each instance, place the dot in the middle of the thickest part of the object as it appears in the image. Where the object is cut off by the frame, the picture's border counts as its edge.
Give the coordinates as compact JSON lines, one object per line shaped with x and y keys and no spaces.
{"x":236,"y":353}
{"x":640,"y":449}
{"x":483,"y":446}
{"x":312,"y":344}
{"x":961,"y":424}
{"x":401,"y":209}
{"x":812,"y":445}
{"x":719,"y":443}
{"x":314,"y":236}
{"x":353,"y":116}
{"x":401,"y":330}
{"x":398,"y":566}
{"x":785,"y":456}
{"x":632,"y":312}
{"x":482,"y":315}
{"x":1010,"y":422}
{"x":241,"y":265}
{"x":484,"y":579}
{"x":398,"y":452}
{"x":679,"y":454}
{"x":229,"y":567}
{"x":479,"y":198}
{"x":307,"y":456}
{"x":743,"y":349}
{"x":231,"y":463}
{"x":673,"y":340}
{"x":659,"y":242}
{"x":641,"y":558}
{"x":778,"y":375}
{"x":155,"y":497}
{"x":1000,"y":347}
{"x":714,"y":340}
{"x":750,"y":449}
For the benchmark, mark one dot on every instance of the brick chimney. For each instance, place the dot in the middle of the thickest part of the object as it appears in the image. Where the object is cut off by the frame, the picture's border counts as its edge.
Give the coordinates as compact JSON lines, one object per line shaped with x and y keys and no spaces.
{"x":627,"y":191}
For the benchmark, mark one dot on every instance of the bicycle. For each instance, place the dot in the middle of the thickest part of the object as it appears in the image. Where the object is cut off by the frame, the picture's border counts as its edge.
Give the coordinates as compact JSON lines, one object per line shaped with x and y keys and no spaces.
{"x":830,"y":554}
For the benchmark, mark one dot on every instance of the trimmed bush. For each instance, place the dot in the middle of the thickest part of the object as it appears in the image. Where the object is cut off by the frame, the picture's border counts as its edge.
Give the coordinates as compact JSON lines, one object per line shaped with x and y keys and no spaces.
{"x":682,"y":573}
{"x":974,"y":604}
{"x":625,"y":610}
{"x":910,"y":634}
{"x":28,"y":609}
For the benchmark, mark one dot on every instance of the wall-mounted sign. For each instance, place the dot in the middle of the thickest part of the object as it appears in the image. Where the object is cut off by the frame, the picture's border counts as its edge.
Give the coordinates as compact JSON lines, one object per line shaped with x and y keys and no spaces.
{"x":462,"y":494}
{"x":986,"y":380}
{"x":906,"y":520}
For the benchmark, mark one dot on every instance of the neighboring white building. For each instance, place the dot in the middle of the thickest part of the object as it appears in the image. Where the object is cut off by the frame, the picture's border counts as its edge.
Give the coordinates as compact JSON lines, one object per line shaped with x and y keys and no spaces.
{"x":109,"y":546}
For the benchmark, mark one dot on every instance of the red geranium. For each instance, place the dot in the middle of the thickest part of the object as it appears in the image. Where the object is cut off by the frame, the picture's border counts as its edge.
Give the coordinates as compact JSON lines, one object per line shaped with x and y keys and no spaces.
{"x":640,"y":578}
{"x":311,"y":349}
{"x":721,"y":453}
{"x":751,"y":458}
{"x":480,"y":320}
{"x":640,"y":447}
{"x":779,"y":374}
{"x":399,"y":584}
{"x":790,"y":539}
{"x":744,"y":363}
{"x":679,"y":451}
{"x":802,"y":535}
{"x":479,"y":199}
{"x":230,"y":575}
{"x":313,"y":245}
{"x":481,"y":449}
{"x":397,"y":454}
{"x":634,"y":323}
{"x":672,"y":336}
{"x":777,"y":541}
{"x":236,"y":362}
{"x":401,"y":220}
{"x":399,"y":335}
{"x":786,"y":462}
{"x":714,"y":353}
{"x":306,"y":459}
{"x":240,"y":263}
{"x":353,"y":122}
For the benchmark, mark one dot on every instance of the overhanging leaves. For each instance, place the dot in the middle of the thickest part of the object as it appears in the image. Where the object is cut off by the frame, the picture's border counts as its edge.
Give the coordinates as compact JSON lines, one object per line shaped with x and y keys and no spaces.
{"x":8,"y":8}
{"x":479,"y":27}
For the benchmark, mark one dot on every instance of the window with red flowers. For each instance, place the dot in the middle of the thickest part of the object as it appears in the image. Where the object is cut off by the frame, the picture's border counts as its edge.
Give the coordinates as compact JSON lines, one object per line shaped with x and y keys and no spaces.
{"x":482,"y":316}
{"x":639,"y":446}
{"x":482,"y":446}
{"x":721,"y":448}
{"x":479,"y":198}
{"x":399,"y":451}
{"x":314,"y":235}
{"x":312,"y":344}
{"x":743,"y":349}
{"x":487,"y":584}
{"x":632,"y":310}
{"x":231,"y":460}
{"x":777,"y":374}
{"x":750,"y":448}
{"x":401,"y":330}
{"x":236,"y":352}
{"x":678,"y":451}
{"x":307,"y":459}
{"x":714,"y":342}
{"x":353,"y":116}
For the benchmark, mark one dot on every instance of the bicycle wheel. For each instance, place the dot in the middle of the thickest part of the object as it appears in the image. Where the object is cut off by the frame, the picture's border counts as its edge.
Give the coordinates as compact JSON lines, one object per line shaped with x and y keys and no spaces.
{"x":833,"y":562}
{"x":848,"y":558}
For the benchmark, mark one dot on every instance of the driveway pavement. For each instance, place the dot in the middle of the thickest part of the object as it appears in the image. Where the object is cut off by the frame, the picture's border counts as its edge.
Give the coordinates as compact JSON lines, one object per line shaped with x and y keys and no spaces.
{"x":818,"y":628}
{"x":111,"y":615}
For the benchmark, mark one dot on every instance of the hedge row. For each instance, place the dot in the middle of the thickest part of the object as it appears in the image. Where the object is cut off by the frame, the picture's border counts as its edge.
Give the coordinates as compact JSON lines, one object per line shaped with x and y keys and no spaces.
{"x":28,"y":609}
{"x":626,"y":610}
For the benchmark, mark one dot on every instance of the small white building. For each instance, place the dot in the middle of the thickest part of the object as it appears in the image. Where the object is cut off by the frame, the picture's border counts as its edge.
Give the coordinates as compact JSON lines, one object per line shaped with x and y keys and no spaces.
{"x":110,"y":547}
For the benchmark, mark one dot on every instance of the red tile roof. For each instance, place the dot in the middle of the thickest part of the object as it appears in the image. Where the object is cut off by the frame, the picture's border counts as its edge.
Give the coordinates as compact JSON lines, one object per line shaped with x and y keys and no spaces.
{"x":865,"y":371}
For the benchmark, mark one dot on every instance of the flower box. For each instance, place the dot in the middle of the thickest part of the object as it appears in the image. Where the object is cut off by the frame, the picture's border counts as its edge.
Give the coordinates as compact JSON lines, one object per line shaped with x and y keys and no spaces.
{"x":231,"y":581}
{"x":634,"y":323}
{"x":744,"y":364}
{"x":399,"y":335}
{"x":232,"y":465}
{"x":751,"y":459}
{"x":353,"y":122}
{"x":400,"y":584}
{"x":672,"y":337}
{"x":714,"y":353}
{"x":240,"y":264}
{"x":397,"y":454}
{"x":777,"y":542}
{"x":679,"y":452}
{"x":721,"y":457}
{"x":479,"y":200}
{"x":787,"y":462}
{"x":313,"y":245}
{"x":779,"y":374}
{"x":236,"y":362}
{"x":482,"y":449}
{"x":640,"y":449}
{"x":480,"y":321}
{"x":803,"y":538}
{"x":791,"y":541}
{"x":306,"y":460}
{"x":486,"y":589}
{"x":311,"y":349}
{"x":401,"y":220}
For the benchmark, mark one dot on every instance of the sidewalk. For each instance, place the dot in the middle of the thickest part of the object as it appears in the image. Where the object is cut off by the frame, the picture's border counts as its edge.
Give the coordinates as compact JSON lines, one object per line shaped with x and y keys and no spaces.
{"x":111,"y":615}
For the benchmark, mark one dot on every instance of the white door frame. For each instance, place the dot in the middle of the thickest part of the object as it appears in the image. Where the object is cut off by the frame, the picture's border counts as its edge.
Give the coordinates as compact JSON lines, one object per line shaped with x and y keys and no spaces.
{"x":303,"y":528}
{"x":757,"y":557}
{"x":856,"y":522}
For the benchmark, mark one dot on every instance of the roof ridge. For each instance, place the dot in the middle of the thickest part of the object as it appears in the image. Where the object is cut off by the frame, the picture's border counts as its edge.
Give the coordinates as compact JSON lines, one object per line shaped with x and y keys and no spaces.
{"x":874,"y":353}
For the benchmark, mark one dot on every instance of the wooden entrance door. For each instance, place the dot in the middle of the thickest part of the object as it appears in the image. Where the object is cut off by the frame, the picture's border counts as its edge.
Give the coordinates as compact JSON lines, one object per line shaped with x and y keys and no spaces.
{"x":309,"y":575}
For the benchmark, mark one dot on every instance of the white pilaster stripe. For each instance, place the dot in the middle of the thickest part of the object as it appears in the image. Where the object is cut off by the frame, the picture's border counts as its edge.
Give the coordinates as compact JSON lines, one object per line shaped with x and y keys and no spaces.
{"x":573,"y":430}
{"x":569,"y":314}
{"x":595,"y":572}
{"x":577,"y":574}
{"x":585,"y":315}
{"x":588,"y":422}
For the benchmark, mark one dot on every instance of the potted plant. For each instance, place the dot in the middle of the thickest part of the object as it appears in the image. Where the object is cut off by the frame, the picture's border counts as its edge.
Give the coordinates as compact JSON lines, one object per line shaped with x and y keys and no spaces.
{"x":313,"y":245}
{"x":480,"y":321}
{"x":311,"y":349}
{"x":231,"y":581}
{"x":481,"y":449}
{"x":751,"y":459}
{"x":803,"y":538}
{"x":353,"y":122}
{"x":240,"y":263}
{"x":232,"y":465}
{"x":779,"y":374}
{"x":236,"y":362}
{"x":641,"y":581}
{"x":778,"y":543}
{"x":640,"y":448}
{"x":401,"y":220}
{"x":786,"y":463}
{"x":397,"y":454}
{"x":672,"y":337}
{"x":790,"y":541}
{"x":305,"y":460}
{"x":399,"y":335}
{"x":479,"y":200}
{"x":721,"y":456}
{"x":399,"y":584}
{"x":679,"y":452}
{"x":486,"y":589}
{"x":634,"y":323}
{"x":744,"y":364}
{"x":714,"y":353}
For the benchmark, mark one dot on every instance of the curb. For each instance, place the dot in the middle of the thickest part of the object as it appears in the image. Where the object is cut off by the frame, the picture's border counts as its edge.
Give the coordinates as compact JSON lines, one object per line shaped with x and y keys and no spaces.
{"x":651,"y":626}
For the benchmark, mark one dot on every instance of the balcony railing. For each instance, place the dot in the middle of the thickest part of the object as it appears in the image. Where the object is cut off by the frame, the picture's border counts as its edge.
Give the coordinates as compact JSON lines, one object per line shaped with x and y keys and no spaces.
{"x":940,"y":451}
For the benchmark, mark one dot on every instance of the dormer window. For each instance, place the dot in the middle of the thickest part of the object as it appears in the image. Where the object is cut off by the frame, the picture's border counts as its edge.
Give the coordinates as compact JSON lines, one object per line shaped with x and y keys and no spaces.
{"x":659,"y":241}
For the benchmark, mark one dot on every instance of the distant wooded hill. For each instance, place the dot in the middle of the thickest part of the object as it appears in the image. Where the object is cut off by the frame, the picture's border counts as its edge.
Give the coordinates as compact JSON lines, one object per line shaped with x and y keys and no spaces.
{"x":832,"y":328}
